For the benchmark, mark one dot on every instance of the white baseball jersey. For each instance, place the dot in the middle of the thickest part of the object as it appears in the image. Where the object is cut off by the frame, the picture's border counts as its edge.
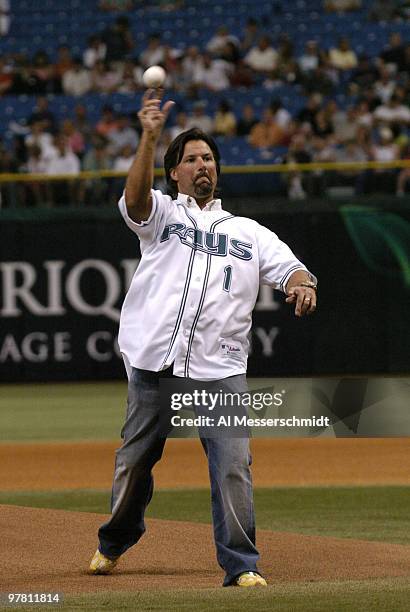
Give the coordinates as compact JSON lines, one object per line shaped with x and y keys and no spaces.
{"x":190,"y":301}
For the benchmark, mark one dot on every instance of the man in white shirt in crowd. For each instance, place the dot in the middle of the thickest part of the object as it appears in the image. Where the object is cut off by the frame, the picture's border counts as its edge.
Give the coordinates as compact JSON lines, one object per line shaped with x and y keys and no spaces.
{"x":187,"y":315}
{"x":76,"y":80}
{"x":262,"y":58}
{"x":61,"y":160}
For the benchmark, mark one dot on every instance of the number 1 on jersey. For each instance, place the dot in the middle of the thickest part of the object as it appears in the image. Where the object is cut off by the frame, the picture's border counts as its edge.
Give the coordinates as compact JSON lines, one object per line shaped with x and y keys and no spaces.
{"x":227,"y":278}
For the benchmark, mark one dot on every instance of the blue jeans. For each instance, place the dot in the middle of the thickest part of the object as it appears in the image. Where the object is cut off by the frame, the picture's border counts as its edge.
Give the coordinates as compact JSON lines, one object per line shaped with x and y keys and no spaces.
{"x":229,"y":463}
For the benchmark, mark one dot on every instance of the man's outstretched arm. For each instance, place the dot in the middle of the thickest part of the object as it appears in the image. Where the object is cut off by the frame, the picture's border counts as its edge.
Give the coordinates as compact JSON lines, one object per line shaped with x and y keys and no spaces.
{"x":141,"y":174}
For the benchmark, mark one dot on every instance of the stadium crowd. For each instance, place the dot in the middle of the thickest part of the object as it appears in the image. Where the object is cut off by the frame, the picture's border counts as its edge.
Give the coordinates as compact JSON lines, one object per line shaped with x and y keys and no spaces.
{"x":374,"y":125}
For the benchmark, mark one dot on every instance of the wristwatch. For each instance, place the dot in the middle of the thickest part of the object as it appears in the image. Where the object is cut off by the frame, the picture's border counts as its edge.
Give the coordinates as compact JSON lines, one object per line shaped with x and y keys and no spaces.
{"x":309,"y":284}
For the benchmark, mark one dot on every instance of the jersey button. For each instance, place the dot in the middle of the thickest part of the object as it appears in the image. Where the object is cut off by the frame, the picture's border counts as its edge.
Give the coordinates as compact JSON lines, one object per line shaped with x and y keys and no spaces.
{"x":198,"y":278}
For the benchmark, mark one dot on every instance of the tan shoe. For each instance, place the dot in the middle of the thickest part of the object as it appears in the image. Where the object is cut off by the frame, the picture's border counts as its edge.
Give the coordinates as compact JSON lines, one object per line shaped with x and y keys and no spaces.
{"x":250,"y":579}
{"x":100,"y":564}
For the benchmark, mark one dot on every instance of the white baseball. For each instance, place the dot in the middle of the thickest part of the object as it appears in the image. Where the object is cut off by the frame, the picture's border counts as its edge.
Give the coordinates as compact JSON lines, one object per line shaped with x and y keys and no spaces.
{"x":154,"y":76}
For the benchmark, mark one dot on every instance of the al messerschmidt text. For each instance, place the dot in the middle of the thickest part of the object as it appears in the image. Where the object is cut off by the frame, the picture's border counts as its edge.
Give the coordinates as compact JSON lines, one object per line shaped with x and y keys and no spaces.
{"x":245,"y":421}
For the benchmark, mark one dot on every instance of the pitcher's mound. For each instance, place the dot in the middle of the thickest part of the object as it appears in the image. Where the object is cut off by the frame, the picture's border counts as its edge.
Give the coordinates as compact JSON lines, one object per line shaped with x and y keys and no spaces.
{"x":49,"y":551}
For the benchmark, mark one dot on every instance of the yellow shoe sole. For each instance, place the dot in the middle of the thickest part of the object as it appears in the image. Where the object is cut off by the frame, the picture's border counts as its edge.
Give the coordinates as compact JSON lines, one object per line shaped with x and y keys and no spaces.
{"x":251,"y":579}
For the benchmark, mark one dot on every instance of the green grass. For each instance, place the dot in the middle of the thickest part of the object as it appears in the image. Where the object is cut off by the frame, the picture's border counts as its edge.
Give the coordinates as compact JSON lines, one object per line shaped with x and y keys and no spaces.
{"x":382,"y":595}
{"x":77,"y":411}
{"x":368,"y":513}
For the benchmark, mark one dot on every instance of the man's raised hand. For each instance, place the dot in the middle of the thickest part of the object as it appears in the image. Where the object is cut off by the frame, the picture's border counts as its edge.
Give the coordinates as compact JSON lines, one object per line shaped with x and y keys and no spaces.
{"x":151,"y":115}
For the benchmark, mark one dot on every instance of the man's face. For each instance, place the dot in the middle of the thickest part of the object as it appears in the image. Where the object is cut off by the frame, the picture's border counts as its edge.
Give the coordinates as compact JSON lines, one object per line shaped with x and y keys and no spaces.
{"x":196,"y":172}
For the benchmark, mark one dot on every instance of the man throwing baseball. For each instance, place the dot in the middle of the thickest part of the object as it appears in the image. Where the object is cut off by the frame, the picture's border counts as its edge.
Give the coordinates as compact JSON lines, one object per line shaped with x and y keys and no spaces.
{"x":188,"y":314}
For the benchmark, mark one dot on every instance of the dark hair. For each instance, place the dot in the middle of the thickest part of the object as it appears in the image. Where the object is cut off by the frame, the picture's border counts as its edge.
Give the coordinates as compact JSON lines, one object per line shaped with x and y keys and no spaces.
{"x":175,"y":153}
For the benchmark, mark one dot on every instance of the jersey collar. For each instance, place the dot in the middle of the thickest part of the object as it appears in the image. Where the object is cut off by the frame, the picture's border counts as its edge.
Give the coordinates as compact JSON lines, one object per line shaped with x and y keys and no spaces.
{"x":190,"y":202}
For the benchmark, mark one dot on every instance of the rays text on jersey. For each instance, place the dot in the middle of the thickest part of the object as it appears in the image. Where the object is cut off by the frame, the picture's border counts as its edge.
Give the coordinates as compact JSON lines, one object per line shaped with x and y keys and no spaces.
{"x":208,"y":242}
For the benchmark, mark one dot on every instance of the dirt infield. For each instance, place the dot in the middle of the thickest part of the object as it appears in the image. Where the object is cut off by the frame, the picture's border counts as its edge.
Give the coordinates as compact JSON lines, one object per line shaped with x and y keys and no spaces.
{"x":284,"y":462}
{"x":58,"y":562}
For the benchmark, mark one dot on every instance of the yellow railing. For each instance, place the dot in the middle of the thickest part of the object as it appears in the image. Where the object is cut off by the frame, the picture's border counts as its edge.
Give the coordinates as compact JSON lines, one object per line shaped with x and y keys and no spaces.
{"x":251,"y":169}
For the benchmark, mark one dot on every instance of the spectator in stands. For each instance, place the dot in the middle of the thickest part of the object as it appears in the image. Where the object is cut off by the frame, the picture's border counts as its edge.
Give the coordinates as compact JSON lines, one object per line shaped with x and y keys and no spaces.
{"x":341,"y":6}
{"x":310,"y":58}
{"x":82,"y":123}
{"x":281,"y":116}
{"x":214,"y":74}
{"x":122,"y":135}
{"x":322,"y":150}
{"x":224,"y":120}
{"x":104,"y":79}
{"x":24,"y":82}
{"x":123,"y":161}
{"x":181,"y":125}
{"x":62,"y":161}
{"x":40,"y":137}
{"x":322,"y":125}
{"x":35,"y":160}
{"x":262,"y":58}
{"x":18,"y":151}
{"x":44,"y":72}
{"x":96,"y":50}
{"x":383,"y":10}
{"x":348,"y":125}
{"x":131,"y":77}
{"x":36,"y":193}
{"x":177,"y":79}
{"x":192,"y":63}
{"x":266,"y":133}
{"x":118,"y":40}
{"x":230,"y":53}
{"x":199,"y":119}
{"x":363,"y":75}
{"x":308,"y":113}
{"x":251,"y":35}
{"x":385,"y":85}
{"x":43,"y":113}
{"x":107,"y":122}
{"x":286,"y":65}
{"x":4,"y":17}
{"x":154,"y":53}
{"x":246,"y":121}
{"x":6,"y":76}
{"x":76,"y":81}
{"x":363,"y":115}
{"x":343,"y":57}
{"x":64,"y":61}
{"x":395,"y":52}
{"x":216,"y":45}
{"x":96,"y":191}
{"x":322,"y":80}
{"x":392,"y":112}
{"x":74,"y":138}
{"x":298,"y":153}
{"x":369,"y":95}
{"x":352,"y":152}
{"x":384,"y":150}
{"x":335,"y":115}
